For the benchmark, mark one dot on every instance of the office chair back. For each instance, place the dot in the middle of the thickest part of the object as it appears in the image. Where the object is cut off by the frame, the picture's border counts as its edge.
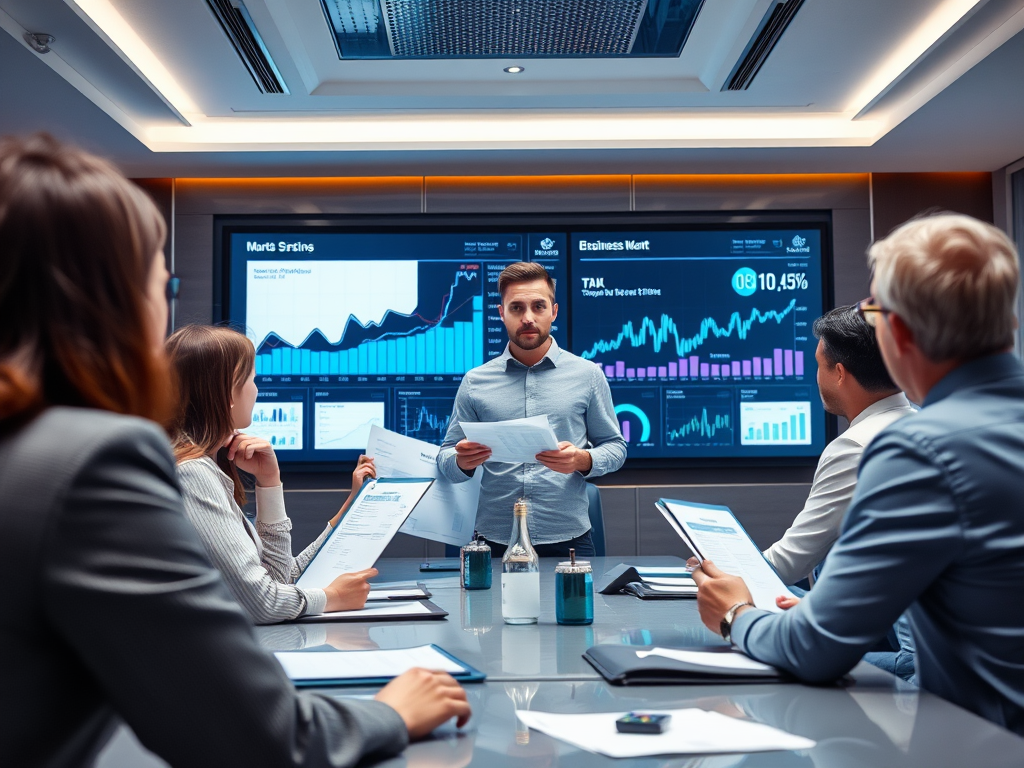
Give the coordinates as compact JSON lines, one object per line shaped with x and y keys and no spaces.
{"x":596,"y":519}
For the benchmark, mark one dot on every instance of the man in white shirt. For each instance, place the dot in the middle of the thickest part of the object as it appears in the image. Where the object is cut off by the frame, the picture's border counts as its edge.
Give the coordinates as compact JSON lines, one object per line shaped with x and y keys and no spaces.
{"x":854,"y":384}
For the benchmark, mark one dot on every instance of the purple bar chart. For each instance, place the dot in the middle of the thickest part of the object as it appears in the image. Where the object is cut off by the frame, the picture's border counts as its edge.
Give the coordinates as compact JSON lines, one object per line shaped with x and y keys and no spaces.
{"x":783,"y":364}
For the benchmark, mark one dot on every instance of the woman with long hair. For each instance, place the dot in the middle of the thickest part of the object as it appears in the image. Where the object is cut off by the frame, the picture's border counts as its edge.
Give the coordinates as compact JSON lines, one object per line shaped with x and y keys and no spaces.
{"x":215,"y":369}
{"x":118,"y":611}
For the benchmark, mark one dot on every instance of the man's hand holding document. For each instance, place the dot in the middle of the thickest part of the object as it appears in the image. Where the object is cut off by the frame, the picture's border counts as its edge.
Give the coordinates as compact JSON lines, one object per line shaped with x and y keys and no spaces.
{"x":733,"y":571}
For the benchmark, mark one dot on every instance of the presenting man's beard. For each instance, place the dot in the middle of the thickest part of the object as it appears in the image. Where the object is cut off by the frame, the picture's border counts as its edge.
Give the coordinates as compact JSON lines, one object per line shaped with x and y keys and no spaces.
{"x":528,"y":344}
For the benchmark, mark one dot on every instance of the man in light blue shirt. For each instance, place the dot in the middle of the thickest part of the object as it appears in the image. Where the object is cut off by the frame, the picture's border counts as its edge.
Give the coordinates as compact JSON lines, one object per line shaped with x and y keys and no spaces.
{"x":936,"y":525}
{"x":534,"y":377}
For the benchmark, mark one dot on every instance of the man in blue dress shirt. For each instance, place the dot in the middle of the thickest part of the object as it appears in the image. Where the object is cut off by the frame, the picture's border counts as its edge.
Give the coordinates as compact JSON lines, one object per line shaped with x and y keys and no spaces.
{"x":936,"y":525}
{"x":534,"y":377}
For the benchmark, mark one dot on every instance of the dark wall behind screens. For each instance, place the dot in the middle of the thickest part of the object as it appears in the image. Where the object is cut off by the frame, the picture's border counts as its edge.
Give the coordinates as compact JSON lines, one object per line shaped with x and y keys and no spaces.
{"x":705,"y":337}
{"x":355,"y":328}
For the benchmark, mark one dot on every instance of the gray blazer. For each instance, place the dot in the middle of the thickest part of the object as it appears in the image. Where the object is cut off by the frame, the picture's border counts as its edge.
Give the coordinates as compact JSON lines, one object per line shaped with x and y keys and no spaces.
{"x":118,"y":612}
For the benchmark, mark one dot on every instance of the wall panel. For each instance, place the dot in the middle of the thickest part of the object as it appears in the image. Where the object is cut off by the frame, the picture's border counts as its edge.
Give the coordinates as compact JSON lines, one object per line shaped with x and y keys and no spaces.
{"x":526,"y":194}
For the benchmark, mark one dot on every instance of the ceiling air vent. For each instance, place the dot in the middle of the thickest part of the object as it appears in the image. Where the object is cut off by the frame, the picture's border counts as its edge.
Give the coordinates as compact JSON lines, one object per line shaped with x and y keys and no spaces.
{"x":774,"y":24}
{"x":460,"y":28}
{"x":242,"y":33}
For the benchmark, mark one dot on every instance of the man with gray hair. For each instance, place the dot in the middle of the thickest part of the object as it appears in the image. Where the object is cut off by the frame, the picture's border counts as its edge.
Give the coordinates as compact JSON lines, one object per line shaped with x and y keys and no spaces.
{"x":936,"y":525}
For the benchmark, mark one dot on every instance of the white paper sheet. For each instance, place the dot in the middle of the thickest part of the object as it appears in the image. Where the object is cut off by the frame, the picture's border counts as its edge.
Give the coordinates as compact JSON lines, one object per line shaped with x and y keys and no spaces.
{"x":374,"y":610}
{"x":713,"y":660}
{"x":516,"y":441}
{"x":354,"y":665}
{"x":689,"y":732}
{"x":447,"y":512}
{"x":412,"y":593}
{"x":718,"y":536}
{"x":364,"y":531}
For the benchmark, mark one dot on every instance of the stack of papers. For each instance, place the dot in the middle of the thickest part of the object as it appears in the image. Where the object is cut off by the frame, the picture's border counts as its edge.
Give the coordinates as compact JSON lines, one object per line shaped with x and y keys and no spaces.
{"x":383,"y":610}
{"x":689,"y":732}
{"x":398,"y":591}
{"x":650,"y":582}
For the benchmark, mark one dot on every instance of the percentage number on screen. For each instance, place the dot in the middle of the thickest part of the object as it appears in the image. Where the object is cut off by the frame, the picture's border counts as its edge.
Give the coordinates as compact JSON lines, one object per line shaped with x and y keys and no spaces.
{"x":746,"y":281}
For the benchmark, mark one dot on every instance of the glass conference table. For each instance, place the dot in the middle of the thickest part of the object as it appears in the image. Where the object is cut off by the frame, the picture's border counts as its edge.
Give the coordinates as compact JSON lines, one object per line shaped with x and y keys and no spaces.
{"x":875,"y":720}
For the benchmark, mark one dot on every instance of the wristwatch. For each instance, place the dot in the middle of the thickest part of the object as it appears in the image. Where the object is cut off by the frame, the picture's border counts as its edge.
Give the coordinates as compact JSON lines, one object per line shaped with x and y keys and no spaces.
{"x":726,"y":625}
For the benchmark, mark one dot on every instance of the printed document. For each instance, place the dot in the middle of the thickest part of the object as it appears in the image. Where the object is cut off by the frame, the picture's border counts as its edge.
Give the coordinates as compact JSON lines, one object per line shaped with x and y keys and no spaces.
{"x":714,"y":533}
{"x":447,"y":512}
{"x":689,"y":732}
{"x":363,"y":532}
{"x":516,"y":441}
{"x":357,"y":665}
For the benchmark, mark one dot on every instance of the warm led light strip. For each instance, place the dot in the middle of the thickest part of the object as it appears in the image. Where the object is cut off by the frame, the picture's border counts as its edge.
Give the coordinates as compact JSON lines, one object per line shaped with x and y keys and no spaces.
{"x":105,"y":18}
{"x":912,"y":48}
{"x":520,"y":131}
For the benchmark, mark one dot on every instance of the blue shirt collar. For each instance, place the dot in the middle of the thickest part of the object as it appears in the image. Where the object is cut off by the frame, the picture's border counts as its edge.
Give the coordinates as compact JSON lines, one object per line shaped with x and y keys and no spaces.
{"x":552,"y":355}
{"x":1002,"y":365}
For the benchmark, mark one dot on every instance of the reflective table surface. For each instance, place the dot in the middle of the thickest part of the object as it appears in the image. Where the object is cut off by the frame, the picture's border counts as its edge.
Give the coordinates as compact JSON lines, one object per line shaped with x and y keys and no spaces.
{"x":874,"y":719}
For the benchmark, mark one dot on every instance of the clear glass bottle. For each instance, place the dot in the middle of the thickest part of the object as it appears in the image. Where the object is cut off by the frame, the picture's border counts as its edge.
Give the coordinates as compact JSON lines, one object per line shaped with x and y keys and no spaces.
{"x":520,"y":573}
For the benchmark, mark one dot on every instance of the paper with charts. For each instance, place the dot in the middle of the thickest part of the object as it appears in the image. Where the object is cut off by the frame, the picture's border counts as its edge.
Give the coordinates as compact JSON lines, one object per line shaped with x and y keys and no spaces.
{"x":447,"y":512}
{"x":363,"y":532}
{"x":715,"y":534}
{"x":516,"y":441}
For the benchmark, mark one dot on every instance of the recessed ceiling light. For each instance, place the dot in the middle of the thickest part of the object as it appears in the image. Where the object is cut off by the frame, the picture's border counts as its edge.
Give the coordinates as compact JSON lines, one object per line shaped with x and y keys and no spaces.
{"x":515,"y":70}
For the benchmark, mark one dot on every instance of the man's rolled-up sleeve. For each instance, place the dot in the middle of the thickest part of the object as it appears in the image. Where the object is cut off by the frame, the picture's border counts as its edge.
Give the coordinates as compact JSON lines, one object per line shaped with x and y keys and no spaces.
{"x":462,"y":411}
{"x":608,"y":449}
{"x":902,"y":529}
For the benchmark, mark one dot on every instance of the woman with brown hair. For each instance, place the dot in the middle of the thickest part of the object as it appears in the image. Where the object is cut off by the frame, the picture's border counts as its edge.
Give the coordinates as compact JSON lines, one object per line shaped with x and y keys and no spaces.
{"x":117,"y":610}
{"x":215,"y":369}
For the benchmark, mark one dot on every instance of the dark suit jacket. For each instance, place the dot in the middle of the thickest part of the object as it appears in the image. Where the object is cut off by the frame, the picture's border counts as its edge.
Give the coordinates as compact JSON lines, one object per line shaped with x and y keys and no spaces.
{"x":113,"y":609}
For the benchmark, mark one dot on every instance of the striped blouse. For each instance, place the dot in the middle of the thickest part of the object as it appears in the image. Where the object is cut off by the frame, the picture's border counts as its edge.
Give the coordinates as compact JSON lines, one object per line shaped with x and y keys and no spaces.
{"x":256,"y":561}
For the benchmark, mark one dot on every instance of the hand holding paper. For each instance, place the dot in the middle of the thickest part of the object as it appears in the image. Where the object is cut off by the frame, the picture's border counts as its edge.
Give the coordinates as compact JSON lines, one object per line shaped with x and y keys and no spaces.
{"x":516,"y":441}
{"x":717,"y":592}
{"x":567,"y":459}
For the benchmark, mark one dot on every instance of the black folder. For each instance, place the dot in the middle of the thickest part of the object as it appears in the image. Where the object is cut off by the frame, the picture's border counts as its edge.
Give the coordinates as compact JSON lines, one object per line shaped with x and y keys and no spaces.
{"x":626,"y":579}
{"x":620,"y":665}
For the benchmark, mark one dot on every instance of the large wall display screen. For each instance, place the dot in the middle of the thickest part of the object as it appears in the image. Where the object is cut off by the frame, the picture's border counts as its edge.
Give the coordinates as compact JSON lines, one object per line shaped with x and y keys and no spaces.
{"x":703,"y":331}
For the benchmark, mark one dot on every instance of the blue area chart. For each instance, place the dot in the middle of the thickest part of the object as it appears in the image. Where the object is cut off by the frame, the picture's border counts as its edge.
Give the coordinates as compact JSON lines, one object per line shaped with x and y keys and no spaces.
{"x":445,"y":335}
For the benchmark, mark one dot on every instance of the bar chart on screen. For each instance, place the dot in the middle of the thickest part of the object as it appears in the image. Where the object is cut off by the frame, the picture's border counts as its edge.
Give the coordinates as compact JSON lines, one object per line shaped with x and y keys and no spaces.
{"x":775,"y":423}
{"x":280,"y":424}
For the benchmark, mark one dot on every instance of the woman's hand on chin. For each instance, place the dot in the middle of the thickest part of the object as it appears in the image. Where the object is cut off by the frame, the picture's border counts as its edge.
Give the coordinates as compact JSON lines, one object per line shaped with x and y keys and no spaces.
{"x":255,"y":456}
